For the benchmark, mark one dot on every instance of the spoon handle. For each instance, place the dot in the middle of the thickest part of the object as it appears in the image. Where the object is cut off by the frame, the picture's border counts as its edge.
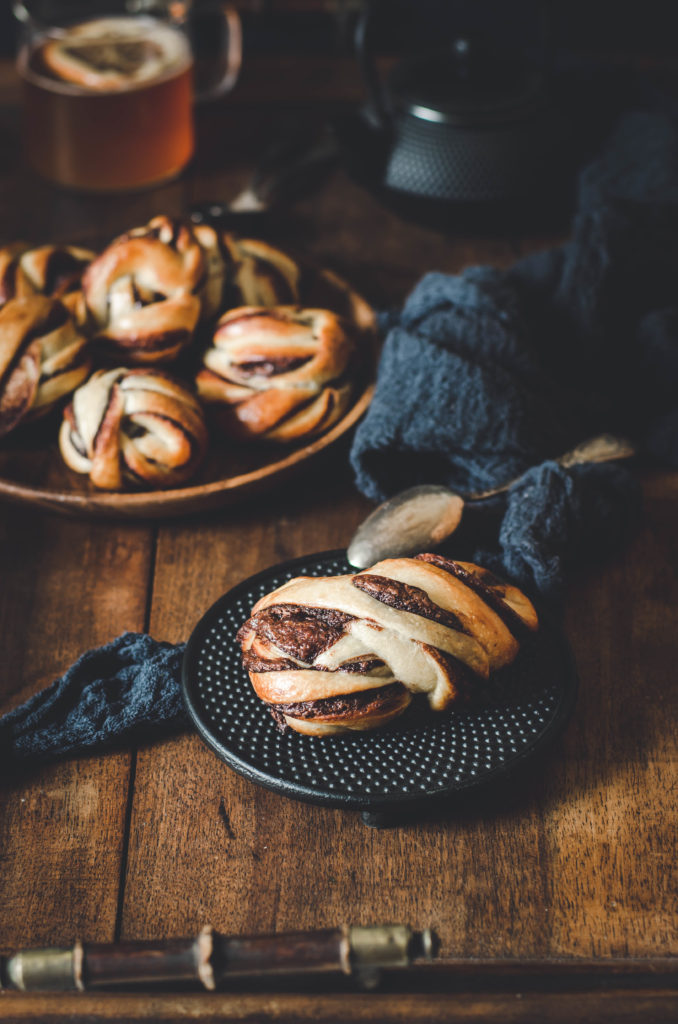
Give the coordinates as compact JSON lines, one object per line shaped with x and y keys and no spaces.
{"x":603,"y":448}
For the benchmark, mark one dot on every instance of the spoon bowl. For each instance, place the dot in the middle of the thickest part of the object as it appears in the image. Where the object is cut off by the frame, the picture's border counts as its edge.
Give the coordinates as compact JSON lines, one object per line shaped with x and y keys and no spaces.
{"x":421,"y":518}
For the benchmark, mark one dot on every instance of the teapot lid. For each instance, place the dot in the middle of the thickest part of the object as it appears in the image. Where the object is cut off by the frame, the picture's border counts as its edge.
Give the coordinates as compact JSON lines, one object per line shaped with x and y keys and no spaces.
{"x":466,"y":85}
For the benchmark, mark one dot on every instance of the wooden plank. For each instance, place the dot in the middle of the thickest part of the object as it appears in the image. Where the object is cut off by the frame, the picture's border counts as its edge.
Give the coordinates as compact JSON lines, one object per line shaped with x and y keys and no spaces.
{"x":578,"y":862}
{"x":622,"y":1007}
{"x":66,"y":585}
{"x":610,"y":803}
{"x":224,"y":851}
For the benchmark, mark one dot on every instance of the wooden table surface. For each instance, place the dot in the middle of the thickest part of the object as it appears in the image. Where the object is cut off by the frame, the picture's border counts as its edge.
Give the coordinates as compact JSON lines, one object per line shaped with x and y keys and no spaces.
{"x":578,"y":861}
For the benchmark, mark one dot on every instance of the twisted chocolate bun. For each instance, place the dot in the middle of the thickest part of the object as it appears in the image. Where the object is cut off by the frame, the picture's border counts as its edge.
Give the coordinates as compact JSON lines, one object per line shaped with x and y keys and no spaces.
{"x":43,"y":357}
{"x":260,"y":274}
{"x":341,"y":653}
{"x":55,"y":270}
{"x":277,"y":374}
{"x":147,"y":290}
{"x":133,"y":428}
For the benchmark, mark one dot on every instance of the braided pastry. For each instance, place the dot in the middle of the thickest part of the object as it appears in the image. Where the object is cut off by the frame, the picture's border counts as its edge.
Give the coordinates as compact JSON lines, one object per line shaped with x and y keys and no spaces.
{"x":43,"y":357}
{"x":54,"y":270}
{"x":260,"y":274}
{"x":147,"y":290}
{"x":133,"y":428}
{"x":341,"y":653}
{"x":277,"y":374}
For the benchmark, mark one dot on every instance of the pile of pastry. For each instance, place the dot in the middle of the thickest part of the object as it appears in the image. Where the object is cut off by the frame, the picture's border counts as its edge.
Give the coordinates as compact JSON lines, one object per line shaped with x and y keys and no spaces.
{"x":171,"y":326}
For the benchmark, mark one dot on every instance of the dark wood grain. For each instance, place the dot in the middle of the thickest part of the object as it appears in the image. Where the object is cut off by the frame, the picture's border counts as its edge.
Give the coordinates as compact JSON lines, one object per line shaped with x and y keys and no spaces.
{"x":620,"y":1007}
{"x":576,"y":859}
{"x":65,"y":586}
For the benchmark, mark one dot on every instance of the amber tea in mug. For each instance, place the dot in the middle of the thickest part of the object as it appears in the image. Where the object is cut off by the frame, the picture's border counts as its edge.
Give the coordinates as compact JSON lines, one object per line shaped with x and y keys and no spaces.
{"x":108,"y":102}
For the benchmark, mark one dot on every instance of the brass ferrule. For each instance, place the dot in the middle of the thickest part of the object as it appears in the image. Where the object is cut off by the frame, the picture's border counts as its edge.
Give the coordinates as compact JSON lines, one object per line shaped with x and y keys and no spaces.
{"x":46,"y":970}
{"x":386,"y":946}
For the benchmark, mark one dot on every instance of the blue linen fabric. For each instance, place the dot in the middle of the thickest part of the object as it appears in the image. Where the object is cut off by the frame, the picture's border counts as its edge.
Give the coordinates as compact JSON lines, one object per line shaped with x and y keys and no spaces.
{"x":126,"y":691}
{"x":490,"y":374}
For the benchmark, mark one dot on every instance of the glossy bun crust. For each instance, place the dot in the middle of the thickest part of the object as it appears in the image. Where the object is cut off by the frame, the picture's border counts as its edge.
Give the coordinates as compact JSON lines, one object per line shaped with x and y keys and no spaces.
{"x":131,"y":429}
{"x":261,"y":275}
{"x":53,"y":270}
{"x":43,"y":358}
{"x":147,"y":291}
{"x":277,"y":374}
{"x":342,"y":653}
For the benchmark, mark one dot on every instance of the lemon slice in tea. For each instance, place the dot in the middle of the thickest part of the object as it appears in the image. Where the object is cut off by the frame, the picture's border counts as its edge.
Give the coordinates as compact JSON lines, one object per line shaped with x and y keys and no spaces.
{"x":109,"y":54}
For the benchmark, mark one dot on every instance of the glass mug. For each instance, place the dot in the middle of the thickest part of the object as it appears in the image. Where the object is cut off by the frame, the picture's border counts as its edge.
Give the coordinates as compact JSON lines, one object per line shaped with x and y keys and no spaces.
{"x":108,"y":88}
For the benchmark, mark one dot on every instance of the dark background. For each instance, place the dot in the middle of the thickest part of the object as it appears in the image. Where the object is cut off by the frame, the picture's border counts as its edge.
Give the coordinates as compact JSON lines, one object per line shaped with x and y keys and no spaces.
{"x":605,"y":27}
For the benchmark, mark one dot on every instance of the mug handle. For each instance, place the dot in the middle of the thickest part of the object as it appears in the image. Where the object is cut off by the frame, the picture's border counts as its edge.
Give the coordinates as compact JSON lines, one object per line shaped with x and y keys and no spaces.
{"x":231,"y":44}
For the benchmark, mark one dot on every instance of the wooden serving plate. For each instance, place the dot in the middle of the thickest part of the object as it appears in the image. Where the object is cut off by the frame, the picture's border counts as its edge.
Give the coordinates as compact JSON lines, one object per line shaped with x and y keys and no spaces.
{"x":32,"y":470}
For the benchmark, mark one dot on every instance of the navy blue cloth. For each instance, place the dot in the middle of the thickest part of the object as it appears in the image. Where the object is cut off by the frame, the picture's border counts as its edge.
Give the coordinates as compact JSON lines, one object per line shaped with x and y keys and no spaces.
{"x":126,"y":691}
{"x":489,"y":374}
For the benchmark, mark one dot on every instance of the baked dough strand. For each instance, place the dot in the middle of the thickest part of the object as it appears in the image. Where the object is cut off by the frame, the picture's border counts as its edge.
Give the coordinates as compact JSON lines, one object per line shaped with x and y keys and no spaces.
{"x":133,"y":428}
{"x":348,"y":652}
{"x":277,"y":374}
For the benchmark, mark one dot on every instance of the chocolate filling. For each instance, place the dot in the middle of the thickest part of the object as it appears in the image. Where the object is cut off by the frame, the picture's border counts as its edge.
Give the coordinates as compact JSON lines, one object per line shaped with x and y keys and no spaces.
{"x":145,"y":296}
{"x":362,"y":666}
{"x":302,"y":632}
{"x":460,"y":675}
{"x":78,"y":443}
{"x":176,"y":227}
{"x":62,"y":272}
{"x":8,"y":281}
{"x":55,"y":318}
{"x":488,"y":587}
{"x":331,"y":709}
{"x":407,"y":598}
{"x":253,"y":663}
{"x":29,"y":347}
{"x":151,"y":342}
{"x":271,"y":367}
{"x":135,"y":430}
{"x":280,"y":286}
{"x":254,"y":314}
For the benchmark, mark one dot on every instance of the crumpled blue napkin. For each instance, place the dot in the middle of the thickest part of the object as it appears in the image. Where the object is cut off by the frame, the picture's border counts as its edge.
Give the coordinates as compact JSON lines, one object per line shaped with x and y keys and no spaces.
{"x":126,"y":691}
{"x":489,"y":374}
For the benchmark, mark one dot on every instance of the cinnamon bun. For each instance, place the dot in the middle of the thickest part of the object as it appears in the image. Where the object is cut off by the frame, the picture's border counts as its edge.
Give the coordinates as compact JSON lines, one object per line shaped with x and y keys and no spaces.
{"x":260,"y":274}
{"x":43,"y":358}
{"x":133,"y":429}
{"x":341,"y":653}
{"x":147,"y":291}
{"x":277,"y":374}
{"x":54,"y":270}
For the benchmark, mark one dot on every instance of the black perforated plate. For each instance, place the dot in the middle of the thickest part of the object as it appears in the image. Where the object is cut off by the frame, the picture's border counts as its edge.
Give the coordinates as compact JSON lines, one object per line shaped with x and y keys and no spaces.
{"x":423,"y":755}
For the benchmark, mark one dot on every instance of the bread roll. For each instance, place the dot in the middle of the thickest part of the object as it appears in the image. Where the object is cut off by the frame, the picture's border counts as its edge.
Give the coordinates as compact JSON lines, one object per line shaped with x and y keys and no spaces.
{"x":43,"y":358}
{"x":278,"y":374}
{"x":341,"y":653}
{"x":130,"y":429}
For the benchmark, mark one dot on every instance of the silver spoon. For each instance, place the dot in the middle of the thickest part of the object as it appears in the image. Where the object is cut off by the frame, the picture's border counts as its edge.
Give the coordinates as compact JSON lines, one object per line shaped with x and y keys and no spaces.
{"x":423,"y":517}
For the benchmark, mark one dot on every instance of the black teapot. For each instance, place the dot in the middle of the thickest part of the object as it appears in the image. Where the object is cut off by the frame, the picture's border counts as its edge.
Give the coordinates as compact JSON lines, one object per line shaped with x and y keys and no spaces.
{"x":471,"y":122}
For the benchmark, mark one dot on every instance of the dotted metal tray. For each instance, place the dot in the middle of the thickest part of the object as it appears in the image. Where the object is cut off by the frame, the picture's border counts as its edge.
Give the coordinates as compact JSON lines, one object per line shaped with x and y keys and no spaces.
{"x":422,"y":756}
